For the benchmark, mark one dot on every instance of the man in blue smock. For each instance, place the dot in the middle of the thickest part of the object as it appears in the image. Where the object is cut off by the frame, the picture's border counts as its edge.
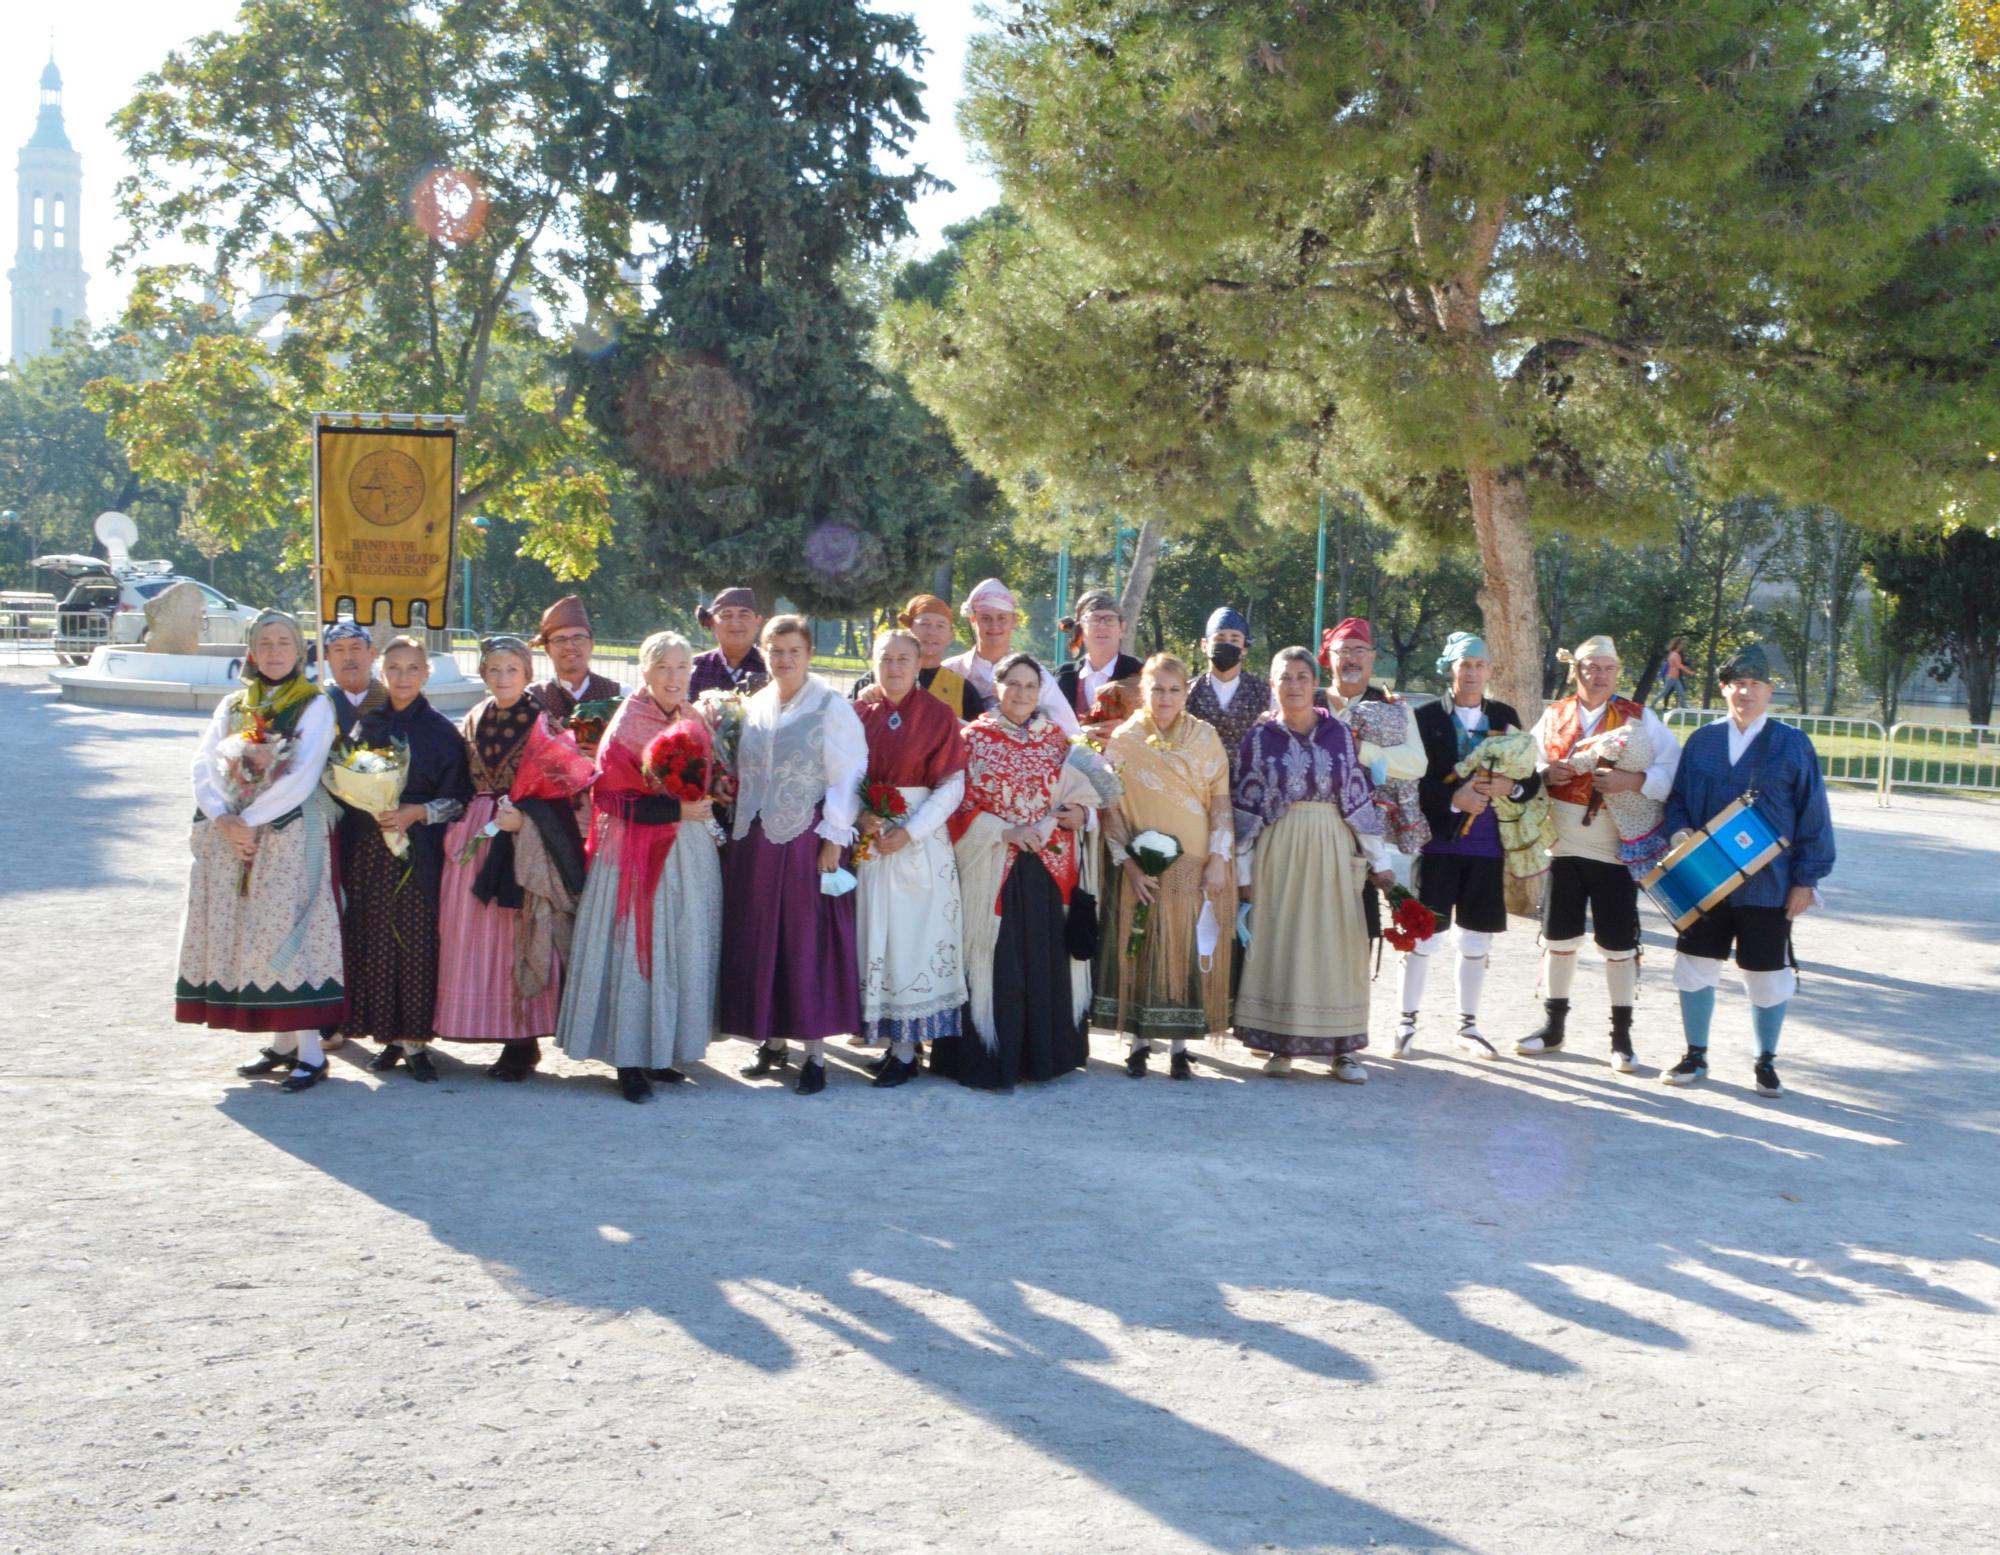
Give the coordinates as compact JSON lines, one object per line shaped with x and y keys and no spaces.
{"x":1749,"y":752}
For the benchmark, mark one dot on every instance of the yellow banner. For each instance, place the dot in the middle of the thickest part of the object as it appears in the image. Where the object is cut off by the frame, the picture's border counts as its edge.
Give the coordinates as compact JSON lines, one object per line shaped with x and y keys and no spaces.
{"x":385,"y":520}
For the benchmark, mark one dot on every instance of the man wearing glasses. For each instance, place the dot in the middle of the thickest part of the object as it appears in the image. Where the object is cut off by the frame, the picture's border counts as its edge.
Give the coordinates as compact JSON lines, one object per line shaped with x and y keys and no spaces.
{"x":566,"y":637}
{"x":1095,"y":633}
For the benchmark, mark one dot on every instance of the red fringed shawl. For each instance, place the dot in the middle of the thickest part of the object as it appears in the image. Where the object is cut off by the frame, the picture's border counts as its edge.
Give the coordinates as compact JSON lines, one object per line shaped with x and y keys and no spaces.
{"x":639,"y":850}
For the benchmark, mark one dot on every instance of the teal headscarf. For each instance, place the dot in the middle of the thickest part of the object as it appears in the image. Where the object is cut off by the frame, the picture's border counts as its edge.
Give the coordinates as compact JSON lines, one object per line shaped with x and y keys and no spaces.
{"x":1462,"y":645}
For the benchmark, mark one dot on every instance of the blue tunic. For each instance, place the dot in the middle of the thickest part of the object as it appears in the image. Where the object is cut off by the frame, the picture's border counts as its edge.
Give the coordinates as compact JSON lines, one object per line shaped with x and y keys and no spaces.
{"x":1791,"y":796}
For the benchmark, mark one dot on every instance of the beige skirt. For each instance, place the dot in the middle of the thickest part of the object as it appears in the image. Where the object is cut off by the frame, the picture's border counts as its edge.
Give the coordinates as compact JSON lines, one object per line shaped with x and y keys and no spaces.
{"x":1305,"y":976}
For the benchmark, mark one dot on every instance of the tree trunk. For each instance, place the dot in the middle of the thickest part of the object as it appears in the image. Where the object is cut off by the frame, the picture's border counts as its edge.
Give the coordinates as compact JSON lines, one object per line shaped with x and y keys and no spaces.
{"x":1507,"y":602}
{"x":1145,"y":562}
{"x":1977,"y":670}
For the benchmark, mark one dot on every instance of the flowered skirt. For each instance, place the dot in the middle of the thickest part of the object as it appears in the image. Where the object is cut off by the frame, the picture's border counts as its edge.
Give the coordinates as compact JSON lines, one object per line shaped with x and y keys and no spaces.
{"x":262,"y":951}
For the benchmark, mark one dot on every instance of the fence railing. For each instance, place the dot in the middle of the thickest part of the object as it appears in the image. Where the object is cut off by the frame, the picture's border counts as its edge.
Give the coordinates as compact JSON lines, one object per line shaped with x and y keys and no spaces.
{"x":1961,"y":757}
{"x":1965,"y":757}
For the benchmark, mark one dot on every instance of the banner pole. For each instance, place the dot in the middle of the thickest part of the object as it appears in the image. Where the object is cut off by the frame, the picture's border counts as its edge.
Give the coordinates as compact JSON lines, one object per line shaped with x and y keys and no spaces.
{"x":318,"y":607}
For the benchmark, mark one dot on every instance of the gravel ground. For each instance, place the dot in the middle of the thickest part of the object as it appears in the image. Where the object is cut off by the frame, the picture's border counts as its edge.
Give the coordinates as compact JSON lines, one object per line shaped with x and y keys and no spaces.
{"x":1513,"y":1307}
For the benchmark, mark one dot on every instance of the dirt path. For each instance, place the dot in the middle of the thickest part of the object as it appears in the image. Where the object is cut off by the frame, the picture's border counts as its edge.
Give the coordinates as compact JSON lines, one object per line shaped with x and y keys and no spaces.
{"x":1516,"y":1307}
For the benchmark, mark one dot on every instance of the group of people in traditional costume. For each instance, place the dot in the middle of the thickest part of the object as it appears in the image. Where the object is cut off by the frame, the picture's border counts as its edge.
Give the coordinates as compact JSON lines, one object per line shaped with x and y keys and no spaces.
{"x":972,"y":856}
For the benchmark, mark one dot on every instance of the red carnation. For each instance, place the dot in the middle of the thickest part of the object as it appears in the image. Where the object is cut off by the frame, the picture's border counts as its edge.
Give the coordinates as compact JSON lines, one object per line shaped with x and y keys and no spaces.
{"x":675,"y":762}
{"x":1410,"y":921}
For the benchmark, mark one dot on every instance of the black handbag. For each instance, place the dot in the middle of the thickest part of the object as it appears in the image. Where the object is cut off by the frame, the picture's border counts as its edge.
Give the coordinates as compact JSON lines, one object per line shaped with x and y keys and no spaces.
{"x":1080,"y":929}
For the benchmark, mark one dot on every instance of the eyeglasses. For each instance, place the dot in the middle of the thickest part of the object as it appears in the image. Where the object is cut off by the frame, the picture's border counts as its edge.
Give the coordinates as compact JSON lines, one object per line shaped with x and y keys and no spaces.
{"x":568,"y":639}
{"x":1104,"y":618}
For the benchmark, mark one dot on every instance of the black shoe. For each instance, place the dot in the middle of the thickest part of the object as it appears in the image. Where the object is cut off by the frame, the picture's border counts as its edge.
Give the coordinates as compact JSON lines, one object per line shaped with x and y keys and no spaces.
{"x":894,"y":1071}
{"x":770,"y":1060}
{"x":1181,"y":1067}
{"x":1691,"y":1070}
{"x":1767,"y":1077}
{"x":270,"y":1063}
{"x":385,"y":1060}
{"x":877,"y":1065}
{"x":1623,"y":1059}
{"x":1135,"y":1062}
{"x":304,"y":1078}
{"x":812,"y":1077}
{"x":666,"y":1076}
{"x":419,"y":1061}
{"x":517,"y":1059}
{"x":1547,"y":1037}
{"x":633,"y":1085}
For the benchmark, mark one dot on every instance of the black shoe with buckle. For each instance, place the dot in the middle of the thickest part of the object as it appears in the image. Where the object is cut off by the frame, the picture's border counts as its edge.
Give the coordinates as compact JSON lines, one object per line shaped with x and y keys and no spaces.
{"x":1135,"y":1061}
{"x":270,"y":1062}
{"x":304,"y":1077}
{"x":387,"y":1059}
{"x":770,"y":1060}
{"x":812,"y":1077}
{"x":1181,"y":1067}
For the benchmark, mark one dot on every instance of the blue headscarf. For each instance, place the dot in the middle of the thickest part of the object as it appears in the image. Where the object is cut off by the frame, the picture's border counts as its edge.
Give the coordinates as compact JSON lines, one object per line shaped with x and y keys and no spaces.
{"x":1227,"y":618}
{"x":1462,"y":645}
{"x":343,"y":631}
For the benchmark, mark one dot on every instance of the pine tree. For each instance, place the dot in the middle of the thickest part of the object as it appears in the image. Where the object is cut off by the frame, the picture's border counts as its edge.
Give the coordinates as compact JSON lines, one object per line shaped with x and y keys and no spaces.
{"x":1481,"y":264}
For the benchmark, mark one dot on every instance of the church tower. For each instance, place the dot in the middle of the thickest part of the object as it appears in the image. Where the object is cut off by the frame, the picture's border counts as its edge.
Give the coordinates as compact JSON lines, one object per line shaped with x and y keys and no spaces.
{"x":48,"y":263}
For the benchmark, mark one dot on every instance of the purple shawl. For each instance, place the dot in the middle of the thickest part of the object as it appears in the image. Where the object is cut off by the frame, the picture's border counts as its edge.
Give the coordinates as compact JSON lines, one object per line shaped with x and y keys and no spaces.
{"x":1276,"y":769}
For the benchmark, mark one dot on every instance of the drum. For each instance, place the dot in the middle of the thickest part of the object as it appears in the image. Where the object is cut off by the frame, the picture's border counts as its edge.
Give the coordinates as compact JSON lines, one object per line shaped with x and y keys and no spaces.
{"x":1713,"y":861}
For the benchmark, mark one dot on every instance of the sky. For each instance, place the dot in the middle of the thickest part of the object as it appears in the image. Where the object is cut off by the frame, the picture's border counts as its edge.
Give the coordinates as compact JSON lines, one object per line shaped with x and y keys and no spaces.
{"x":103,"y":47}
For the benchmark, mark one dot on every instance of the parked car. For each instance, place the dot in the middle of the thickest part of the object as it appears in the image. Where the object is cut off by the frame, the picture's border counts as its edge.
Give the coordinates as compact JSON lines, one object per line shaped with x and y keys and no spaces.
{"x":106,"y":603}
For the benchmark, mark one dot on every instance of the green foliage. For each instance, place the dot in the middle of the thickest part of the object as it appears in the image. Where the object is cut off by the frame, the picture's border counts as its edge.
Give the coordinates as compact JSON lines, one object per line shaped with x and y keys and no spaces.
{"x":1944,"y":589}
{"x":1425,"y":249}
{"x":382,"y":175}
{"x":763,"y":444}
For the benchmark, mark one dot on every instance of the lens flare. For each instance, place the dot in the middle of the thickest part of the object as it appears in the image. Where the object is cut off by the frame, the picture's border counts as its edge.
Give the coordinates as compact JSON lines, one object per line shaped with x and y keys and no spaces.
{"x":448,"y":204}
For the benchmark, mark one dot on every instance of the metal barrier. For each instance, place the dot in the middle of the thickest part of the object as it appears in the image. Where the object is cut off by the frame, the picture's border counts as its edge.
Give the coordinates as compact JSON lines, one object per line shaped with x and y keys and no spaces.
{"x":1850,"y":750}
{"x":78,"y":632}
{"x":623,"y":668}
{"x":1963,"y":757}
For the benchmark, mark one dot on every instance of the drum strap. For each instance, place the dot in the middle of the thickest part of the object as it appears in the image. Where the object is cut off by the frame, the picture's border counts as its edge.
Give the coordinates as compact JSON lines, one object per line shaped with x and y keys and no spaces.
{"x":1760,"y":752}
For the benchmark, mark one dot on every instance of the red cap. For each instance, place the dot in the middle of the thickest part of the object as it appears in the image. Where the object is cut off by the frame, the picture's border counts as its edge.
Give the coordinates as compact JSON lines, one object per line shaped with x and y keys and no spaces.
{"x":1353,"y":629}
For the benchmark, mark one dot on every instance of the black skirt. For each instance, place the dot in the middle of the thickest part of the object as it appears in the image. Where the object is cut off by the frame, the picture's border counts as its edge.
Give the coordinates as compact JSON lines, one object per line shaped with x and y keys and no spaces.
{"x":391,"y":925}
{"x":1037,"y":1034}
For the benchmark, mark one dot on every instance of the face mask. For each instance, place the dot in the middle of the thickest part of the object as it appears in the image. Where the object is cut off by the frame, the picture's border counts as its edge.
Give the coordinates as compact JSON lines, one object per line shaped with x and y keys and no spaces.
{"x":1225,"y":656}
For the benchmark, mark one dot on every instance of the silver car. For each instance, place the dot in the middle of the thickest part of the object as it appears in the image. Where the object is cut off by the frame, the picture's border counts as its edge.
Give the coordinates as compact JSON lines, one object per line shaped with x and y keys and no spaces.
{"x":106,"y":603}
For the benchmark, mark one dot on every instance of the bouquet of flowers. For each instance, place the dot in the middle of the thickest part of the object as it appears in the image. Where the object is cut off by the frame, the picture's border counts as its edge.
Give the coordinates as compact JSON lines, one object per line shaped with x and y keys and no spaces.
{"x":722,"y":711}
{"x":588,"y":720}
{"x":370,"y":779}
{"x":675,"y":762}
{"x":1410,"y":921}
{"x":886,"y":803}
{"x":1154,"y":852}
{"x":247,"y":761}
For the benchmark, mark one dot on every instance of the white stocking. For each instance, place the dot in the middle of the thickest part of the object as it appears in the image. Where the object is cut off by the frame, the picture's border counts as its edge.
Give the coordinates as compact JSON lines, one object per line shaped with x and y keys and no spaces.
{"x":1472,"y":951}
{"x":1559,"y":966}
{"x":1621,"y":977}
{"x":310,"y":1054}
{"x":1417,"y":967}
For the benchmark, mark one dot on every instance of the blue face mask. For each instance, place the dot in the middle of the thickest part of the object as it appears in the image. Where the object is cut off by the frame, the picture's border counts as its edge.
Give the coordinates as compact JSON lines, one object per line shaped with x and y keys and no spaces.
{"x":837,"y":882}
